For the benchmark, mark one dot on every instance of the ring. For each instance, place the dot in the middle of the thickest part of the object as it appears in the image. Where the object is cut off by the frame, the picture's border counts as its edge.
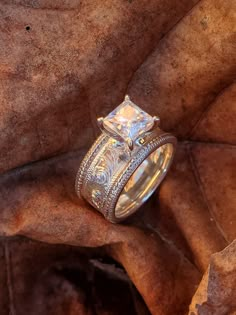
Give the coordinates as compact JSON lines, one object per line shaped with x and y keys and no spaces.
{"x":126,"y":163}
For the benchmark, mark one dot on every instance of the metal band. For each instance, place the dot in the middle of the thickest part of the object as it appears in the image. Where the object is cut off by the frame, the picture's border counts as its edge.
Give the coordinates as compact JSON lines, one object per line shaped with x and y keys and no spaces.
{"x":107,"y":177}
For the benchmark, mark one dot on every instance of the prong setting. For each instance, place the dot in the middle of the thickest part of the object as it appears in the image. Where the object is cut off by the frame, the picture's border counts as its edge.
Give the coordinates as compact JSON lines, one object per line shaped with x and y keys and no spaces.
{"x":127,"y":98}
{"x":100,"y":123}
{"x":127,"y":122}
{"x":156,"y":120}
{"x":130,"y":143}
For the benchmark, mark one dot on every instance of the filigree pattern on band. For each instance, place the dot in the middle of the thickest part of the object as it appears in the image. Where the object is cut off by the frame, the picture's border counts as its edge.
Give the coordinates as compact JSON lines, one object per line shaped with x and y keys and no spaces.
{"x":109,"y":161}
{"x":107,"y":167}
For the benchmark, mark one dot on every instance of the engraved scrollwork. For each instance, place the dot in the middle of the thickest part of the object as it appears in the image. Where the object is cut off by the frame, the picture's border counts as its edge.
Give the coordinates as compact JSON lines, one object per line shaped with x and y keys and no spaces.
{"x":97,"y":197}
{"x":103,"y":171}
{"x":105,"y":167}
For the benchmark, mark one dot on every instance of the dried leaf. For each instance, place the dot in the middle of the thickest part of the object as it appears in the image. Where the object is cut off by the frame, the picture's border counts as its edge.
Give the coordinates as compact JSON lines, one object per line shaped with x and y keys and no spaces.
{"x":216,"y":293}
{"x":67,"y":62}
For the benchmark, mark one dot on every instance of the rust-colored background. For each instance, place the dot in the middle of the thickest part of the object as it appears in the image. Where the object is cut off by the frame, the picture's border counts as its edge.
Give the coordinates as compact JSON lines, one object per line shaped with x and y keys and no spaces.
{"x":62,"y":64}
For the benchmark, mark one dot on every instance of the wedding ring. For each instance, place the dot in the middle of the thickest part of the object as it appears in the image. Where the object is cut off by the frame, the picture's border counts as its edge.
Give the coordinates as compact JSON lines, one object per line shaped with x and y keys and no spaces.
{"x":126,"y":163}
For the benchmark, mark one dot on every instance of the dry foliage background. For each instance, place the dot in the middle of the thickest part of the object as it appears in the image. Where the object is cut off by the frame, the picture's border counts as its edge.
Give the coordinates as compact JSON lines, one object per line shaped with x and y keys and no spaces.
{"x":63,"y":63}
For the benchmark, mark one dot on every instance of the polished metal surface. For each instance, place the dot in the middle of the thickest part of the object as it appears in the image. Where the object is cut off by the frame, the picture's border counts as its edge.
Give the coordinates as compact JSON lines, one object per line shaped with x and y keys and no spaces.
{"x":144,"y":181}
{"x":126,"y":163}
{"x":116,"y":181}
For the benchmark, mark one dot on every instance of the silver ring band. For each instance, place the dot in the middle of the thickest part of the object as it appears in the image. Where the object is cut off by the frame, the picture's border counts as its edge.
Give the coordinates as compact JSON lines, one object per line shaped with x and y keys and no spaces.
{"x":116,"y":180}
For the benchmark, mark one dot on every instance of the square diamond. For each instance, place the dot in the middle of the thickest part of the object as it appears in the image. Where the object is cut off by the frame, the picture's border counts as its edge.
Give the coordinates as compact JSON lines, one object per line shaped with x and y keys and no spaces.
{"x":128,"y":120}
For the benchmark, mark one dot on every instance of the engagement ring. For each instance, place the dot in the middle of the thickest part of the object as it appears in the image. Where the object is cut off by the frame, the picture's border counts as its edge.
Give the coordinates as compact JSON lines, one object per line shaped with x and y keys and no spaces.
{"x":126,"y":163}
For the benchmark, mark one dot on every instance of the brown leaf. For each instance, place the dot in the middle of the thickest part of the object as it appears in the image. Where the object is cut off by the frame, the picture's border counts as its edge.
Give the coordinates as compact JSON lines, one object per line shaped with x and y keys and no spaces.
{"x":39,"y":202}
{"x":67,"y":62}
{"x":62,"y":70}
{"x":216,"y":293}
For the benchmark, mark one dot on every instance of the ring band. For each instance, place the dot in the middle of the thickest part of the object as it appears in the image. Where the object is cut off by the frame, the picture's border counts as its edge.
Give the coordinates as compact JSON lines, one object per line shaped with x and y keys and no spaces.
{"x":126,"y":163}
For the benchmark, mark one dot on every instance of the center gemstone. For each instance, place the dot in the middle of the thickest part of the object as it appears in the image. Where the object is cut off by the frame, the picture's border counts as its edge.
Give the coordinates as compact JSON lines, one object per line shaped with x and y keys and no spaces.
{"x":128,"y":120}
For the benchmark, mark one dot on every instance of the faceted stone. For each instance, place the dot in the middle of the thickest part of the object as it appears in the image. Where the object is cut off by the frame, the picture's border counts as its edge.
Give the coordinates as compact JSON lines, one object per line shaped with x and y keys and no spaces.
{"x":128,"y":120}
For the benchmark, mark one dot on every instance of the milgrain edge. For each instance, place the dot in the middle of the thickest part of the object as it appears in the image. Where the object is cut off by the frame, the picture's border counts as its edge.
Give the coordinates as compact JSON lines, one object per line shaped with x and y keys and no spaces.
{"x":119,"y":182}
{"x":87,"y":160}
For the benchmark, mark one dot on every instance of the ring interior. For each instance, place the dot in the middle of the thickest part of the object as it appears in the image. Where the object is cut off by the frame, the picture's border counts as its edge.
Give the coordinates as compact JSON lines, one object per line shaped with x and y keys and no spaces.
{"x":144,"y":181}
